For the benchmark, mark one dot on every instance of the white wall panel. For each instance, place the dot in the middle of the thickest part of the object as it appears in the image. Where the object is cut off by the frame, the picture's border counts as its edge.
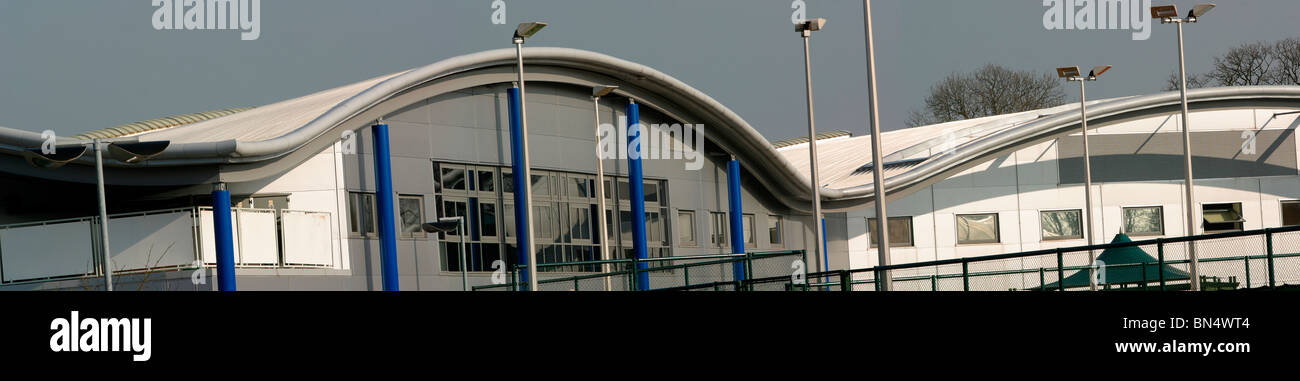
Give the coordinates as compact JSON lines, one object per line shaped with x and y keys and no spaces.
{"x":258,"y":242}
{"x":152,"y":241}
{"x":307,"y":238}
{"x":46,"y":251}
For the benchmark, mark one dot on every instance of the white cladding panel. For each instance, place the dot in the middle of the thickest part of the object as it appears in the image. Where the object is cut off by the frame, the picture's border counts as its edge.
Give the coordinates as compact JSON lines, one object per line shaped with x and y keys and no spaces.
{"x":307,"y":238}
{"x":151,"y":241}
{"x":258,"y":243}
{"x":47,"y":251}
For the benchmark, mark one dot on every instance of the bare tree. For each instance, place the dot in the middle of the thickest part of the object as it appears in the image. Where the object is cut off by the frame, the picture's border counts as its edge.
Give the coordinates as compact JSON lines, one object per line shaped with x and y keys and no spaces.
{"x":1194,"y":81}
{"x":991,"y":90}
{"x":1287,"y":55}
{"x":1246,"y":65}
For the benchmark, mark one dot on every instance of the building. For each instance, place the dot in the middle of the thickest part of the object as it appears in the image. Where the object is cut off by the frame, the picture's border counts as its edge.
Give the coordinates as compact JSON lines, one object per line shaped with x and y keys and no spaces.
{"x":301,"y":172}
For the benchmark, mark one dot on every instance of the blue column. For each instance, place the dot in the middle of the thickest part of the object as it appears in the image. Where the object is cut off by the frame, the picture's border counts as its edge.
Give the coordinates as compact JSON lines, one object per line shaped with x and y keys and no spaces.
{"x":223,"y":230}
{"x":636,"y":181}
{"x":737,"y":216}
{"x":517,"y":164}
{"x":826,"y":255}
{"x":384,"y":204}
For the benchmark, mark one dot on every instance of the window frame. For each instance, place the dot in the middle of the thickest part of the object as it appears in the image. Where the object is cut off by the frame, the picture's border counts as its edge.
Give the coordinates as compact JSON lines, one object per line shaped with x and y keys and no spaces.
{"x":1282,"y":211}
{"x":694,"y":231}
{"x":780,"y":231}
{"x":1083,"y":228}
{"x":1238,"y":207}
{"x":997,"y":229}
{"x":1123,"y":220}
{"x":911,"y":232}
{"x":353,"y":210}
{"x":401,"y":232}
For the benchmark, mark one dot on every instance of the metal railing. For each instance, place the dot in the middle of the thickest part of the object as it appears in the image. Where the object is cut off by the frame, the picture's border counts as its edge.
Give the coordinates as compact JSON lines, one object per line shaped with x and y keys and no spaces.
{"x":666,"y":273}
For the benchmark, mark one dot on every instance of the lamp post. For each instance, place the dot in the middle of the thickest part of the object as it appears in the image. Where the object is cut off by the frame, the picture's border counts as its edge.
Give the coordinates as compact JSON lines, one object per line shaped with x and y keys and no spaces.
{"x":1072,"y":74}
{"x":805,"y":29}
{"x":877,"y":158}
{"x":596,"y":93}
{"x":1168,"y":14}
{"x":523,"y":32}
{"x":125,"y":152}
{"x":446,"y":225}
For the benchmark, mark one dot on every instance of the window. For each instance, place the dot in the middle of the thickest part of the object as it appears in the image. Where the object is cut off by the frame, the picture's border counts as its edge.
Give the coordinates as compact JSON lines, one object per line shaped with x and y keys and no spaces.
{"x":686,"y":228}
{"x":652,"y":192}
{"x":361,"y":214}
{"x":580,"y":223}
{"x":775,"y":230}
{"x":412,"y":215}
{"x":900,"y":232}
{"x":1061,"y":224}
{"x":541,"y":185}
{"x":976,"y":229}
{"x":487,"y":220}
{"x":1219,"y":218}
{"x":453,"y":178}
{"x":452,"y":209}
{"x":486,"y":181}
{"x":719,"y":236}
{"x":1290,"y":213}
{"x":749,"y":229}
{"x":1143,"y":221}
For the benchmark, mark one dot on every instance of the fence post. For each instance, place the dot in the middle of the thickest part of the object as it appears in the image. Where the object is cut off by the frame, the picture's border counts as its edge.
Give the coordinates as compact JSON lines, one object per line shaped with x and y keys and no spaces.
{"x":1042,"y":279}
{"x":845,"y":284}
{"x":514,"y":278}
{"x":1160,"y":261}
{"x":686,"y":275}
{"x":965,"y":275}
{"x":1060,"y":270}
{"x":934,"y":282}
{"x":1268,"y":239}
{"x":1247,"y":271}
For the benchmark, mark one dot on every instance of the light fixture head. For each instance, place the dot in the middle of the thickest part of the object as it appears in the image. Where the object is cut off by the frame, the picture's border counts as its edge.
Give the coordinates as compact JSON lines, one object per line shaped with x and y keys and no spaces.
{"x":1164,"y":12}
{"x":528,"y":29}
{"x":444,"y":225}
{"x":810,"y":25}
{"x":62,"y":156}
{"x":132,"y":153}
{"x":1067,"y":72}
{"x":600,"y":91}
{"x":1098,"y":70}
{"x":1200,"y":10}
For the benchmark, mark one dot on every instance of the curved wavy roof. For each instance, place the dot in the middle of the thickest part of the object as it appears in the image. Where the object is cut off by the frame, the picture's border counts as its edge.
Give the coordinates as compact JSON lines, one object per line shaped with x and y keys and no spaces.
{"x":275,"y":132}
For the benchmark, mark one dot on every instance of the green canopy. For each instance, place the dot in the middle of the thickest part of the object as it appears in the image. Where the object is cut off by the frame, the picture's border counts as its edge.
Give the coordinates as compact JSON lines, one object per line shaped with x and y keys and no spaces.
{"x":1124,"y":266}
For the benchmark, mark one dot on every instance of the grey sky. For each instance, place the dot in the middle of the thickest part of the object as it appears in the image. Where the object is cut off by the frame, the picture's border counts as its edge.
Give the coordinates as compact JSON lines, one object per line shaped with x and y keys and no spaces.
{"x":73,"y":66}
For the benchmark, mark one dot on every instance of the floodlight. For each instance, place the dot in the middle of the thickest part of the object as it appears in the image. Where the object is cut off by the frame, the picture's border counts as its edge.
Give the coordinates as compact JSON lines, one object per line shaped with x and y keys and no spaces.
{"x":1067,"y":72}
{"x":528,"y":29}
{"x":1098,"y":70}
{"x":1164,"y":11}
{"x":810,"y":25}
{"x":62,"y":155}
{"x":131,"y":153}
{"x":442,"y":226}
{"x":1201,"y":10}
{"x":600,"y":91}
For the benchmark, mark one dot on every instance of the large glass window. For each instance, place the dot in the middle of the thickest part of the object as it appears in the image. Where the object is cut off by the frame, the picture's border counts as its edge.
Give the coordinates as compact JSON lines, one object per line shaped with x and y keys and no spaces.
{"x":1144,"y":221}
{"x":900,"y":232}
{"x":412,"y":215}
{"x":1219,"y":218}
{"x":750,"y":230}
{"x":719,"y":236}
{"x":453,"y":178}
{"x":1061,"y":224}
{"x":1290,"y":213}
{"x":487,"y":220}
{"x":977,"y":229}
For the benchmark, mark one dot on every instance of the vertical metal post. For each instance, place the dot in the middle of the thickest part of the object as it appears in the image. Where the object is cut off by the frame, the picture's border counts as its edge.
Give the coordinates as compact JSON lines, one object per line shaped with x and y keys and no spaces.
{"x":1268,"y":242}
{"x":1087,"y":183}
{"x":1042,"y":279}
{"x":877,"y":157}
{"x":1187,"y":165}
{"x":600,"y":195}
{"x":1247,"y":271}
{"x":524,"y":168}
{"x":1160,"y":258}
{"x":1060,"y":270}
{"x":384,"y":202}
{"x":523,"y":185}
{"x":812,"y":153}
{"x":934,"y":283}
{"x":223,"y":231}
{"x":965,"y":276}
{"x":464,"y":269}
{"x":107,"y":255}
{"x":636,"y":145}
{"x":737,"y":217}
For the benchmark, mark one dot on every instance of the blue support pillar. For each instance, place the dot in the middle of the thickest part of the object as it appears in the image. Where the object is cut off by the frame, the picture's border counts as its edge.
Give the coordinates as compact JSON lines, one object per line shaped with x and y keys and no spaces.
{"x":737,"y":217}
{"x":517,"y":164}
{"x":826,"y":256}
{"x":636,"y":181}
{"x":384,"y":204}
{"x":223,"y":229}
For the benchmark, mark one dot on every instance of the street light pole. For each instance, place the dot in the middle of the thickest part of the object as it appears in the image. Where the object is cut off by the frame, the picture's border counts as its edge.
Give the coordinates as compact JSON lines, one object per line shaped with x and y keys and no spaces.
{"x":877,"y":158}
{"x":600,"y":183}
{"x":524,"y":31}
{"x":1072,"y":74}
{"x":805,"y":29}
{"x":1168,"y":14}
{"x":103,"y":216}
